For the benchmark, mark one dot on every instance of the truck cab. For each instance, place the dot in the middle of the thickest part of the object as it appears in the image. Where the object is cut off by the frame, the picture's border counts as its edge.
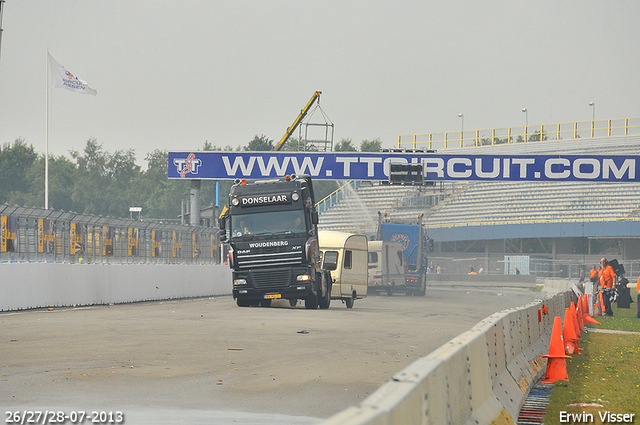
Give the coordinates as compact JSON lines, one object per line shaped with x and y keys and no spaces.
{"x":271,"y":231}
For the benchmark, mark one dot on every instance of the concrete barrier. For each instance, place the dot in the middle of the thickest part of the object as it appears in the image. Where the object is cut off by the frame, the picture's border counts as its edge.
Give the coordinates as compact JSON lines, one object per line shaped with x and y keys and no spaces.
{"x":492,"y":280}
{"x":480,"y":377}
{"x":37,"y":285}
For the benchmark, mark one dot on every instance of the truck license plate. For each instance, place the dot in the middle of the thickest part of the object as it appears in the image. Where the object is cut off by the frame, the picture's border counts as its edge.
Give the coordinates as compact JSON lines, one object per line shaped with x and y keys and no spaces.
{"x":272,"y":296}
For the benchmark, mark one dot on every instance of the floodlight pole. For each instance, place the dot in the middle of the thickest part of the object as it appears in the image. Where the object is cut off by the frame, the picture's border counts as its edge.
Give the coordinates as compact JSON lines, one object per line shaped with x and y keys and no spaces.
{"x":1,"y":9}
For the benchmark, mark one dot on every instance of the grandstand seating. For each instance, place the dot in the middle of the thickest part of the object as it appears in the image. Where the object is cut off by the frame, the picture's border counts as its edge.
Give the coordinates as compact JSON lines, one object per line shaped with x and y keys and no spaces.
{"x":489,"y":202}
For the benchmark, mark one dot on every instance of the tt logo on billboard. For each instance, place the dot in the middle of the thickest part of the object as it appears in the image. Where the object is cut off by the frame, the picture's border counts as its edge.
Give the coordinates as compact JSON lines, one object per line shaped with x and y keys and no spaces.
{"x":187,"y":165}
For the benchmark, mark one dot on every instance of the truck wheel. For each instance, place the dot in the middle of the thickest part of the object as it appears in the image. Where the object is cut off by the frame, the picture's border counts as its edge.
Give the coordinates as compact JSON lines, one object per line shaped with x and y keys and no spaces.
{"x":325,"y":285}
{"x":265,"y":303}
{"x":311,"y":302}
{"x":390,"y":291}
{"x":293,"y":302}
{"x":242,"y":303}
{"x":349,"y":301}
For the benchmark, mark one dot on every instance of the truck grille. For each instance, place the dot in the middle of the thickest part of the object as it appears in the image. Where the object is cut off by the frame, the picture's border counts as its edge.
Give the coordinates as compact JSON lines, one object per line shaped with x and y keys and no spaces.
{"x":271,"y":279}
{"x":269,"y":258}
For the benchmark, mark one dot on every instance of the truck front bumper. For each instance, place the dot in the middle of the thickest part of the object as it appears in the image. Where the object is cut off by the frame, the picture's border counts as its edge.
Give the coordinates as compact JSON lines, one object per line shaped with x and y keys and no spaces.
{"x":273,"y":283}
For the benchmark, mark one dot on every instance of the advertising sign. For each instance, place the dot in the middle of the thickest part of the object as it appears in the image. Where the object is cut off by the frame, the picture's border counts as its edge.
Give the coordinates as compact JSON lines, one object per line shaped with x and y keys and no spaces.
{"x":376,"y":166}
{"x":45,"y":236}
{"x":8,"y":234}
{"x":133,"y":235}
{"x":176,"y":244}
{"x":195,"y":243}
{"x":76,"y":235}
{"x":156,"y":243}
{"x":108,"y":235}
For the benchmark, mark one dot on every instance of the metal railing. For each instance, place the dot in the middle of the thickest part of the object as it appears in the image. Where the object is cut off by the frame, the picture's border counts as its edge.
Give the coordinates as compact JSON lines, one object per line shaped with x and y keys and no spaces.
{"x":521,"y":134}
{"x":39,"y":235}
{"x":335,"y":196}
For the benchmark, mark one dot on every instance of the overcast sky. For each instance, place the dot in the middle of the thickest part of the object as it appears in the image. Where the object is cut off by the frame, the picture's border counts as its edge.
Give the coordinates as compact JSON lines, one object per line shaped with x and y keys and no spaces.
{"x":172,"y":74}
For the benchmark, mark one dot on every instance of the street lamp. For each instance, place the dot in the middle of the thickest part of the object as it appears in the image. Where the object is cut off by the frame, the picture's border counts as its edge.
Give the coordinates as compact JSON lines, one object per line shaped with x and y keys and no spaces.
{"x":461,"y":115}
{"x":526,"y":117}
{"x":593,"y":118}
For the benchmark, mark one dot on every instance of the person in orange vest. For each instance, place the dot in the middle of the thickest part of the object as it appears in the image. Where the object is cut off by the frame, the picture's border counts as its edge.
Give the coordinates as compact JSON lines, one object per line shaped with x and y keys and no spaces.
{"x":607,"y":283}
{"x":638,"y":300}
{"x":593,"y":275}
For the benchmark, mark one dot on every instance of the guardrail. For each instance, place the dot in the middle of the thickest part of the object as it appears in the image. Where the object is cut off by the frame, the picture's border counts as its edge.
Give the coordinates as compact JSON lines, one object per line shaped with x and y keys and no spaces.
{"x":522,"y":134}
{"x":480,"y":377}
{"x":39,"y":235}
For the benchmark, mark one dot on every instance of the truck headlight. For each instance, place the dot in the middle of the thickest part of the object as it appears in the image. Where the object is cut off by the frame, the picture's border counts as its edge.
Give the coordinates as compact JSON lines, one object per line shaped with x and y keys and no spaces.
{"x":303,"y":278}
{"x":295,"y":196}
{"x":239,"y":281}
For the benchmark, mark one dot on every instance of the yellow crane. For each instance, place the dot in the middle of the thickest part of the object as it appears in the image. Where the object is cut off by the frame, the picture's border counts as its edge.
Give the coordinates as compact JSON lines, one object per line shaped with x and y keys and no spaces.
{"x":303,"y":113}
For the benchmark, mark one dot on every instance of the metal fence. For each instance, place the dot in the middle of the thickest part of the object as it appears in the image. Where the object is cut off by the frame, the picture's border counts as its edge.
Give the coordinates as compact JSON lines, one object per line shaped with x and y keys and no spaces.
{"x":39,"y":235}
{"x":521,"y":134}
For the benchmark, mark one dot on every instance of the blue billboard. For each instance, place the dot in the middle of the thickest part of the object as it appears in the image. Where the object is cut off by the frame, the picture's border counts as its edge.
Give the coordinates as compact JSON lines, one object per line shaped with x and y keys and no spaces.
{"x":375,"y":166}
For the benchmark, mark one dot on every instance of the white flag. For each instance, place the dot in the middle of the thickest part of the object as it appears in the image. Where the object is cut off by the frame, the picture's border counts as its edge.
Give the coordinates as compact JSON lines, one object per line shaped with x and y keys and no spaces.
{"x":63,"y":78}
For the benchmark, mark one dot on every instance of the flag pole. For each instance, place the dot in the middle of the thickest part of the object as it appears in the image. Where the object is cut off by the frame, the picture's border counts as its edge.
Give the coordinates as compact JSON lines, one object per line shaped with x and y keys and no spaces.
{"x":46,"y":149}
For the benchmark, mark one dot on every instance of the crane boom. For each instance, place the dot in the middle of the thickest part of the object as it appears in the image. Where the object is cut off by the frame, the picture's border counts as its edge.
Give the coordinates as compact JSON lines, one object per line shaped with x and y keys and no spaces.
{"x":303,"y":112}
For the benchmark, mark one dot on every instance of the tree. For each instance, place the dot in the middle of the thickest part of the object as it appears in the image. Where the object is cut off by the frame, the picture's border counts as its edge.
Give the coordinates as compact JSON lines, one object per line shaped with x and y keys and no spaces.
{"x":15,"y":161}
{"x":291,"y":144}
{"x":371,"y":145}
{"x":62,"y":174}
{"x":259,"y":143}
{"x":345,"y":145}
{"x":209,"y":147}
{"x":104,"y":180}
{"x":535,"y":137}
{"x":158,"y":196}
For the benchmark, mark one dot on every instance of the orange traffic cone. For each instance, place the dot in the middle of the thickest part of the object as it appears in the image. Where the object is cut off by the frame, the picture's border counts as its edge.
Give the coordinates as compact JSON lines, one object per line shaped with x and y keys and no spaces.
{"x":585,"y":304}
{"x":569,"y":334}
{"x":578,"y":314}
{"x":586,"y":317}
{"x":597,"y":310}
{"x":574,"y":318}
{"x":557,"y":364}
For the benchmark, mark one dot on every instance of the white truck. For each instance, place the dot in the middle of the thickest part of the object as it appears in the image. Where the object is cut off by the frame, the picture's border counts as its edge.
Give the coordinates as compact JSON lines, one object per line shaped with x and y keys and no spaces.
{"x":386,"y":266}
{"x":345,"y":256}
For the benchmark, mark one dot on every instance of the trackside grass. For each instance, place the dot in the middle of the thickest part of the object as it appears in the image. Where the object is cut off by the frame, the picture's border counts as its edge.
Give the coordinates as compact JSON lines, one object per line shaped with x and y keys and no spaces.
{"x":604,"y":378}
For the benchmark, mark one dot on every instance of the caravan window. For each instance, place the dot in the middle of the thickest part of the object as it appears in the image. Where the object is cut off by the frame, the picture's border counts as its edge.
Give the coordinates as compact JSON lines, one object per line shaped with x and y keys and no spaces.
{"x":347,"y":259}
{"x":373,"y":260}
{"x":330,"y":260}
{"x":373,"y":257}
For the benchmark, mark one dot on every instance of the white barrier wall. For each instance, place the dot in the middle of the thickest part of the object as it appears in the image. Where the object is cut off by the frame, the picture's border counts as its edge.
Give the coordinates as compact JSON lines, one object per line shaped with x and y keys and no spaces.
{"x":35,"y":285}
{"x":480,"y":377}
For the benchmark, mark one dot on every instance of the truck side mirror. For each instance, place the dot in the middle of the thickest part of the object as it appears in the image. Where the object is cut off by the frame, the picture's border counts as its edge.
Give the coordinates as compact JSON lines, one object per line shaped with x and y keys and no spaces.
{"x":314,"y":217}
{"x":221,"y":228}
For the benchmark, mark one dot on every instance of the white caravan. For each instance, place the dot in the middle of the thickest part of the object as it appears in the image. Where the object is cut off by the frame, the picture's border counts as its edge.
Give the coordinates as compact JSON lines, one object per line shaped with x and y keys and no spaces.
{"x":345,"y":256}
{"x":386,"y":267}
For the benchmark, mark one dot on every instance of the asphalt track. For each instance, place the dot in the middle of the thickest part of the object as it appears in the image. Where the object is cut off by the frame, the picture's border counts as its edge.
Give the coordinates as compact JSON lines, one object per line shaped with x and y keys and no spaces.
{"x":207,"y":361}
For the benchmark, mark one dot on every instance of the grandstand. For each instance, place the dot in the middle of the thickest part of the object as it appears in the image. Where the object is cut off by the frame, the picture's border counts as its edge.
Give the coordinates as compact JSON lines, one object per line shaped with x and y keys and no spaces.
{"x":489,"y":215}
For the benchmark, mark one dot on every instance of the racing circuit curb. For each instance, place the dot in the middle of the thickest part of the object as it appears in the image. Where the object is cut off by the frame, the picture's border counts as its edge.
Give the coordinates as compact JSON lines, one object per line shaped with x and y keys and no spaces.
{"x":480,"y":377}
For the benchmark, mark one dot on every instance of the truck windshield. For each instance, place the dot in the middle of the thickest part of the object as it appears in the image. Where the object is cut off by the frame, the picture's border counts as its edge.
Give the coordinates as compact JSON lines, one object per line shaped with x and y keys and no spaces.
{"x":271,"y":222}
